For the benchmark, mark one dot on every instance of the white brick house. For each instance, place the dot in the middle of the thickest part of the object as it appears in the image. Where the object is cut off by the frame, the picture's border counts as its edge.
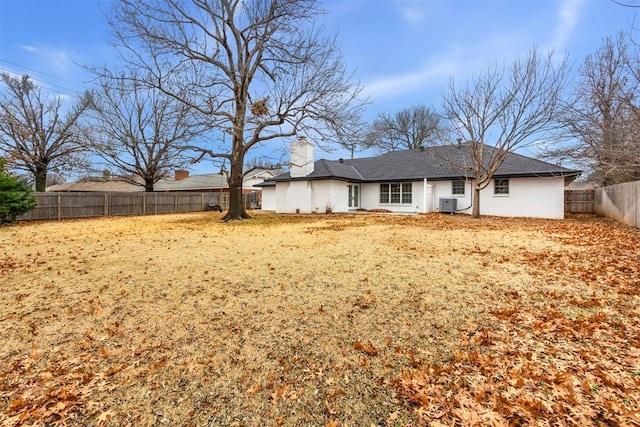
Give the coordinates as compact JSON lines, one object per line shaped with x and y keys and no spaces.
{"x":415,"y":181}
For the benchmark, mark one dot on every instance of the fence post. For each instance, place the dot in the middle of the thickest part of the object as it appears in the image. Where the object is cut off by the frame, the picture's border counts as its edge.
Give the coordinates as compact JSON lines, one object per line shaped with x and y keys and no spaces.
{"x":59,"y":207}
{"x":144,"y":203}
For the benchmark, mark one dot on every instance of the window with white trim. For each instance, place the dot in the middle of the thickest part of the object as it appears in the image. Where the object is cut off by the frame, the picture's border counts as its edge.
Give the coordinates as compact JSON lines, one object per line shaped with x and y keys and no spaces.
{"x":501,"y":186}
{"x":384,"y":193}
{"x":457,"y":188}
{"x":395,"y":193}
{"x":406,"y":192}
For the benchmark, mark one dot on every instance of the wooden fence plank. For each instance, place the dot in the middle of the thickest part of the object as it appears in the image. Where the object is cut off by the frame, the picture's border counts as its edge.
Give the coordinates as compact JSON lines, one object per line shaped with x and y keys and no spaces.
{"x":579,"y":201}
{"x":620,"y":202}
{"x":82,"y":205}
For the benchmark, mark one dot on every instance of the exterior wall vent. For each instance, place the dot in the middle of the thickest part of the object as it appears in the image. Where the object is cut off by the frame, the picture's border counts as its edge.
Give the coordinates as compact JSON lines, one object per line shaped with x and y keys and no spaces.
{"x":448,"y":205}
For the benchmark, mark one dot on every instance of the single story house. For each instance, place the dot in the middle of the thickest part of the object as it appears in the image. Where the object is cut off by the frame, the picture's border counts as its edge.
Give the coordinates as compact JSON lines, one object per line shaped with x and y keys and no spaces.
{"x":423,"y":180}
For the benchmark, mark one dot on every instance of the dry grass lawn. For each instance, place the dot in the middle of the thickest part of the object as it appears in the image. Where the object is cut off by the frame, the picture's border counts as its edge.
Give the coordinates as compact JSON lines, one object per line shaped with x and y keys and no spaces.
{"x":324,"y":320}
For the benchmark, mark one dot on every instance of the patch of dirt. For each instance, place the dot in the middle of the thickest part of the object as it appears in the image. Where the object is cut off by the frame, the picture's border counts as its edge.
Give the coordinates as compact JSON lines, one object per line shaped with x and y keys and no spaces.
{"x":316,"y":320}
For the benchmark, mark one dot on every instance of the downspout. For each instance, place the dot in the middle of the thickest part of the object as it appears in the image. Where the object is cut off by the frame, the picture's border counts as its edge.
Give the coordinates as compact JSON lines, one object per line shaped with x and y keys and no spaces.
{"x":424,"y":197}
{"x":433,"y":198}
{"x":470,"y":203}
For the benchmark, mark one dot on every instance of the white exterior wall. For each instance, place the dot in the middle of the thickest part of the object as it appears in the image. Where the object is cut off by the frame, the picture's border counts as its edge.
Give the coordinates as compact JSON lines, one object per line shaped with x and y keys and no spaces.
{"x":269,"y":198}
{"x":370,"y":198}
{"x":330,"y":195}
{"x":298,"y":197}
{"x":442,"y":189}
{"x":251,"y":182}
{"x":528,"y":197}
{"x":280,"y":196}
{"x":307,"y":197}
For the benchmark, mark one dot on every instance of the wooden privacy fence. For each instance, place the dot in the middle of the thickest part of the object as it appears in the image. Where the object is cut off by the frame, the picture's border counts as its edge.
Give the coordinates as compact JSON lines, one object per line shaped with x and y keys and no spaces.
{"x":579,"y":201}
{"x":82,"y":205}
{"x":620,"y":202}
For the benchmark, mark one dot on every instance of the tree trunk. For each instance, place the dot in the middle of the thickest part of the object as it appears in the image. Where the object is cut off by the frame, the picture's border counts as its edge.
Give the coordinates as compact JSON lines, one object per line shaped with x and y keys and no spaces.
{"x":236,"y":203}
{"x":148,"y":184}
{"x":475,"y":211}
{"x":41,"y":178}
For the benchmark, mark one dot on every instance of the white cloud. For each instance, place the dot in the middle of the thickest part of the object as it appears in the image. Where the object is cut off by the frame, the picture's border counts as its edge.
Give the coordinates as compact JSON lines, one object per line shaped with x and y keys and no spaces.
{"x":462,"y":57}
{"x":51,"y":60}
{"x":412,"y":81}
{"x":460,"y":61}
{"x":568,"y":14}
{"x":29,"y":48}
{"x":59,"y":60}
{"x":413,"y":13}
{"x":54,"y":59}
{"x":64,"y":97}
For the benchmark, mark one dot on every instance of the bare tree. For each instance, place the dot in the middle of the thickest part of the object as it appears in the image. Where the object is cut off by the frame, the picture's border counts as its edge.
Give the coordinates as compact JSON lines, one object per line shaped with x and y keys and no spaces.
{"x":603,"y":118}
{"x":505,"y":108}
{"x":39,"y":133}
{"x":140,"y":131}
{"x":409,"y":128}
{"x":258,"y":69}
{"x":630,"y":3}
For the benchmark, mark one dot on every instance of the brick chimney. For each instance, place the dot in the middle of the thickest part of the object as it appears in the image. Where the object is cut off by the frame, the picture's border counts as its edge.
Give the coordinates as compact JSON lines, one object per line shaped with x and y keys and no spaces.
{"x":181,"y":174}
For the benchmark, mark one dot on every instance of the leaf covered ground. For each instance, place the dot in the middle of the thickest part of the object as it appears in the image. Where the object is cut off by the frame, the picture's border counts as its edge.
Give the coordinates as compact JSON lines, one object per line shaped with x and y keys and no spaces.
{"x":335,"y":320}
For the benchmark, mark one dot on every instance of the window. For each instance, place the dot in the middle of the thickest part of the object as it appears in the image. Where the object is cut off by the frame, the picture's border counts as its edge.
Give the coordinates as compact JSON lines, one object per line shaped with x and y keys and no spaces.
{"x":406,"y":192}
{"x":395,"y":193}
{"x":384,"y":193}
{"x":501,"y":186}
{"x":457,"y":188}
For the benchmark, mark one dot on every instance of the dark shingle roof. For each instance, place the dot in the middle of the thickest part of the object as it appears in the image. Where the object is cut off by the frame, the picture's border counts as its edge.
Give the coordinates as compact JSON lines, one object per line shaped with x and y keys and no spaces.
{"x":433,"y":163}
{"x":324,"y":169}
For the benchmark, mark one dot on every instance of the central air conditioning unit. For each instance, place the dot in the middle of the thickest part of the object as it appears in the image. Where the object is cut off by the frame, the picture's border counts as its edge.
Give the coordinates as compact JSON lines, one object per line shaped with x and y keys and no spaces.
{"x":448,"y":205}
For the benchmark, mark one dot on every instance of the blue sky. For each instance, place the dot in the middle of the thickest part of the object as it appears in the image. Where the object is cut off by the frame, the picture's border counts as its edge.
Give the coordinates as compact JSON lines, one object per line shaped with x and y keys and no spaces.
{"x":403,"y":51}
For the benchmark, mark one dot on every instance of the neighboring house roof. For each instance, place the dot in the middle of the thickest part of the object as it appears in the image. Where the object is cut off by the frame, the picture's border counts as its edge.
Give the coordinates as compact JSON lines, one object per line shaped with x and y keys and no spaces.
{"x":193,"y":183}
{"x":210,"y":181}
{"x":106,"y":186}
{"x":254,"y":178}
{"x":262,"y":173}
{"x":432,"y":163}
{"x":583,"y":185}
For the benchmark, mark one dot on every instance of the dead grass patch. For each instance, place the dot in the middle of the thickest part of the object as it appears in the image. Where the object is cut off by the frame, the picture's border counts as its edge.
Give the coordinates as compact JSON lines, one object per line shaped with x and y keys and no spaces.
{"x":313,"y":320}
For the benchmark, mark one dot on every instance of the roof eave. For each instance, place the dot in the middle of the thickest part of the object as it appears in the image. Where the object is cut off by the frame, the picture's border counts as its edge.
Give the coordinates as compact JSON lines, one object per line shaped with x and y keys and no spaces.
{"x":538,"y":174}
{"x":318,"y":178}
